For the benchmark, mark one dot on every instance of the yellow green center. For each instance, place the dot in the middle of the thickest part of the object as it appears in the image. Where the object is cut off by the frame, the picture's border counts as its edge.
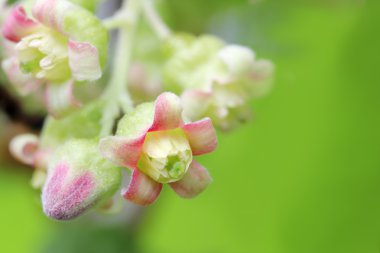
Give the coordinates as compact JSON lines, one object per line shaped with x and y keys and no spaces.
{"x":166,"y":155}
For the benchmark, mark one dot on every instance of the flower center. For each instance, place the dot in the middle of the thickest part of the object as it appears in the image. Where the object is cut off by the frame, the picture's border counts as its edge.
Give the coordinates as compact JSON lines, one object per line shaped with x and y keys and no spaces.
{"x":44,"y":54}
{"x":166,"y":155}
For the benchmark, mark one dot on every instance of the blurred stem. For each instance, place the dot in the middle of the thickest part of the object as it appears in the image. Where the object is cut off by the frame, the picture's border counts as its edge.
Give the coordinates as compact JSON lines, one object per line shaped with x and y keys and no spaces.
{"x":115,"y":22}
{"x":117,"y":95}
{"x":155,"y":20}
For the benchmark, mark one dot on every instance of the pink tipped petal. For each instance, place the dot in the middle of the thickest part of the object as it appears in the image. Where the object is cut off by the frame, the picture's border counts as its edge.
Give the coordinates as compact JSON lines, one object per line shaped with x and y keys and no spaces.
{"x":193,"y":183}
{"x":60,"y":100}
{"x":24,"y":83}
{"x":142,"y":190}
{"x":201,"y":136}
{"x":84,"y":61}
{"x":45,"y":11}
{"x":122,"y":151}
{"x":18,"y":25}
{"x":24,"y":148}
{"x":167,"y":112}
{"x":65,"y":201}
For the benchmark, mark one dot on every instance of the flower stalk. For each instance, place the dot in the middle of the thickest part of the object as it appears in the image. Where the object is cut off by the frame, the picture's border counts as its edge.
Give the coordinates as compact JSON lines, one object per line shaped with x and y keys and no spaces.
{"x":155,"y":21}
{"x":117,"y":87}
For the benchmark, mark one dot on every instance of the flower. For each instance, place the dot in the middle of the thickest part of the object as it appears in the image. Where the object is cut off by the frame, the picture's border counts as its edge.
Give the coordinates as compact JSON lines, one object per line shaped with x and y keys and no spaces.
{"x":78,"y":179}
{"x":61,"y":44}
{"x":26,"y":148}
{"x":216,"y":80}
{"x":159,"y":147}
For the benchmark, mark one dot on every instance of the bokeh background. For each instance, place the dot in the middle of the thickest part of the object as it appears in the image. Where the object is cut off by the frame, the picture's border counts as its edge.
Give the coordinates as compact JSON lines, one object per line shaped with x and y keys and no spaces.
{"x":303,"y":177}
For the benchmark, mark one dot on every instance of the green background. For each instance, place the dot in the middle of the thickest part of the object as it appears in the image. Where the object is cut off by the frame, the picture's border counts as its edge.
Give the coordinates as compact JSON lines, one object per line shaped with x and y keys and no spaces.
{"x":303,"y":177}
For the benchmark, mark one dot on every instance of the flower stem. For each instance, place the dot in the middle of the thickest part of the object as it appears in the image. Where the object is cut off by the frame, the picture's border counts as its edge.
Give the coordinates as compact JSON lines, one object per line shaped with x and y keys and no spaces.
{"x":154,"y":19}
{"x":116,"y":95}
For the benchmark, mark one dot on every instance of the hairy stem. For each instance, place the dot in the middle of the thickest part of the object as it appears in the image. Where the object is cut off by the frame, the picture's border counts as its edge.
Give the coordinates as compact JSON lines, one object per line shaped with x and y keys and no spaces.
{"x":117,"y":95}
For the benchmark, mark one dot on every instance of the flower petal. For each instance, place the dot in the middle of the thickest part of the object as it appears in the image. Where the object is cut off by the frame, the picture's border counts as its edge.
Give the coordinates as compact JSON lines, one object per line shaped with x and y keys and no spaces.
{"x":59,"y":99}
{"x":121,"y":150}
{"x":24,"y":83}
{"x":201,"y":136}
{"x":195,"y":103}
{"x":84,"y":61}
{"x":142,"y":190}
{"x":238,"y":59}
{"x":262,"y":78}
{"x":193,"y":183}
{"x":24,"y":148}
{"x":18,"y":25}
{"x":167,"y":112}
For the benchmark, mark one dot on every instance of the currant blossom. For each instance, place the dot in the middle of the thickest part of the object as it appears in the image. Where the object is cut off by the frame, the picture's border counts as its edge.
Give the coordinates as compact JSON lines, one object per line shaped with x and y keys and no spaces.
{"x":62,"y":43}
{"x":216,"y":80}
{"x":158,"y":146}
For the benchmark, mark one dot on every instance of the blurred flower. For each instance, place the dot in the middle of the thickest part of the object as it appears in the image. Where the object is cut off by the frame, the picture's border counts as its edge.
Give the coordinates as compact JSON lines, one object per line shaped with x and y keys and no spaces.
{"x":158,"y":146}
{"x":24,"y":147}
{"x":78,"y":179}
{"x":216,"y":80}
{"x":143,"y":87}
{"x":62,"y":44}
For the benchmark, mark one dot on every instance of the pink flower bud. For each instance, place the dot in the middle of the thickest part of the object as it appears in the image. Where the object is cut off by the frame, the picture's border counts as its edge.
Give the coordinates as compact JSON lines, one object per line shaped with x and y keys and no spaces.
{"x":78,"y":179}
{"x":63,"y":199}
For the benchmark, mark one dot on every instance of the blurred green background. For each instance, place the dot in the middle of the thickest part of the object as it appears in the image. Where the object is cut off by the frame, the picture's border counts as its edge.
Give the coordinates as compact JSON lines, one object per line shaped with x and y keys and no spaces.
{"x":303,"y":177}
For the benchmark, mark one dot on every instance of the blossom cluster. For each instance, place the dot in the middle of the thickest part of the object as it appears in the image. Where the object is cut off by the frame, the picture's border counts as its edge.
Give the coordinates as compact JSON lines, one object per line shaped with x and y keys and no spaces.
{"x":200,"y":83}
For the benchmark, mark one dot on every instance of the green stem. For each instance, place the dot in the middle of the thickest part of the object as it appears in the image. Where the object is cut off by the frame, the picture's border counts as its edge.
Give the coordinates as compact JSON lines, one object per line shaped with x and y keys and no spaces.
{"x":116,"y":95}
{"x":115,"y":22}
{"x":155,"y":20}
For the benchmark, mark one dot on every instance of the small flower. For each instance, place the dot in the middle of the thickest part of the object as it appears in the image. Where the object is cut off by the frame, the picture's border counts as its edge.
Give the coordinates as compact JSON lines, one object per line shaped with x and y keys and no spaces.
{"x":78,"y":179}
{"x":216,"y":80}
{"x":24,"y":147}
{"x":159,"y":147}
{"x":143,"y":87}
{"x":61,"y":44}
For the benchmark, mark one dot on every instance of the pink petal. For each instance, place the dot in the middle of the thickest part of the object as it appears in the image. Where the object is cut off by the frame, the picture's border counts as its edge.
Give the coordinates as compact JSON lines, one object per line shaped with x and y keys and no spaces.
{"x":142,"y":190}
{"x":167,"y":112}
{"x":84,"y":61}
{"x":18,"y":25}
{"x":59,"y":99}
{"x":201,"y":136}
{"x":24,"y":83}
{"x":193,"y":183}
{"x":24,"y":148}
{"x":45,"y":11}
{"x":122,"y":151}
